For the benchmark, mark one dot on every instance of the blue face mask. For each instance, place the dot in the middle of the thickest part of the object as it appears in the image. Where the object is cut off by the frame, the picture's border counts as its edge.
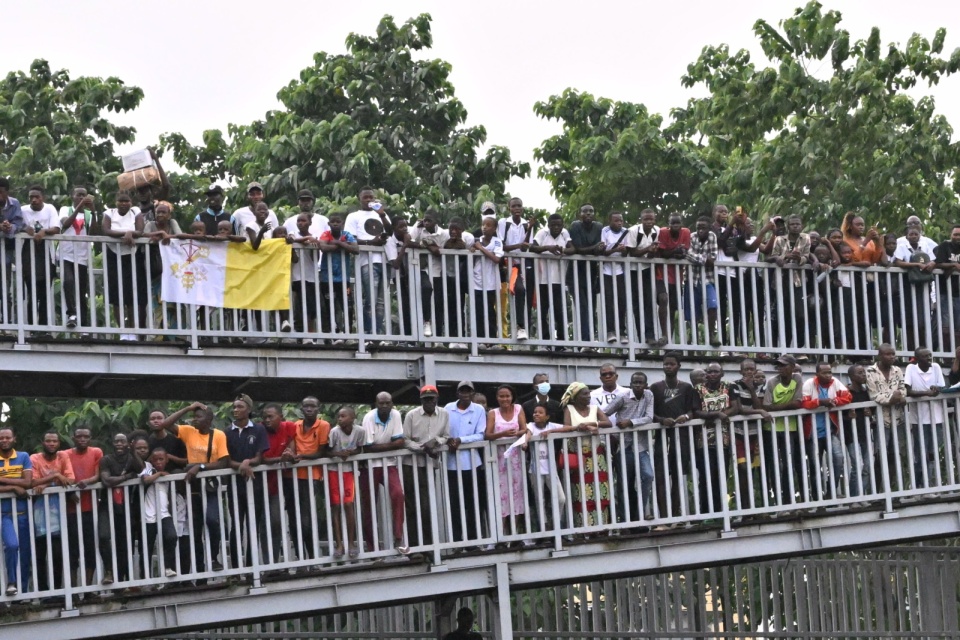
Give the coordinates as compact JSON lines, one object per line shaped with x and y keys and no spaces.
{"x":543,"y":388}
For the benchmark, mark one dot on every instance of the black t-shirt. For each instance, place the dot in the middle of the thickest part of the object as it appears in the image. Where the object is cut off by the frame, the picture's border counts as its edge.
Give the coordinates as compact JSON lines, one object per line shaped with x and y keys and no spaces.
{"x":172,"y":445}
{"x":246,"y":443}
{"x":673,"y":402}
{"x":210,"y":222}
{"x":118,"y":465}
{"x":948,"y":253}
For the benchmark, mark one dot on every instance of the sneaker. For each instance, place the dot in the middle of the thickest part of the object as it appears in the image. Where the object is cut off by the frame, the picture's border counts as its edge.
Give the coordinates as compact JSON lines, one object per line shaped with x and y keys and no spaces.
{"x":308,"y":341}
{"x":170,"y":573}
{"x":107,"y":578}
{"x":285,"y":326}
{"x":11,"y":590}
{"x":624,"y":340}
{"x":216,"y":566}
{"x":528,"y":543}
{"x":128,"y":337}
{"x":338,"y":551}
{"x":402,"y":550}
{"x":337,"y":342}
{"x":71,"y":322}
{"x":521,"y":333}
{"x":611,"y":337}
{"x":427,"y":330}
{"x":458,"y":345}
{"x":354,"y":550}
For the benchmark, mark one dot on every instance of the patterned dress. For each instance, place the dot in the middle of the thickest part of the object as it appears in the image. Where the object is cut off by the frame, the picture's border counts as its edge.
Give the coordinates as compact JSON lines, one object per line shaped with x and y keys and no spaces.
{"x":511,"y":469}
{"x":594,"y":475}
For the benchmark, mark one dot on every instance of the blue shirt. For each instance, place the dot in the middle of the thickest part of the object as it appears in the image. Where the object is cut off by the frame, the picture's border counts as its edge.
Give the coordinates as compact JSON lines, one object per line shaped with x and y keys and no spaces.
{"x":822,"y":393}
{"x":12,"y":213}
{"x":13,"y":468}
{"x":246,"y":443}
{"x":468,"y":425}
{"x":336,"y":262}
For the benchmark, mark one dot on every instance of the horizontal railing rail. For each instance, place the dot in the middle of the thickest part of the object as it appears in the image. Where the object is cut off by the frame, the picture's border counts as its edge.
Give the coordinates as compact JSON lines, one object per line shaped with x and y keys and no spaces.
{"x":332,"y":512}
{"x":462,"y":300}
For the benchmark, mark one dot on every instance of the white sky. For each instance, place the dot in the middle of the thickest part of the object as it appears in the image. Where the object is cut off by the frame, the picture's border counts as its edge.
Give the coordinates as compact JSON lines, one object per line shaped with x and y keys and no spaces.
{"x":204,"y":64}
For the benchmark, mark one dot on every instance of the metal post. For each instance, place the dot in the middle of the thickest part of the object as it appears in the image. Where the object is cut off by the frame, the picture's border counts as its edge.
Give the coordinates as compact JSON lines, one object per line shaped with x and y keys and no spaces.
{"x":502,"y":619}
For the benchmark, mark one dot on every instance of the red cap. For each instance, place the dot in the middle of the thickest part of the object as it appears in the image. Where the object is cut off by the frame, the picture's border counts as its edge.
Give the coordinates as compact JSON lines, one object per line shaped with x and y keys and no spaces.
{"x":428,"y":390}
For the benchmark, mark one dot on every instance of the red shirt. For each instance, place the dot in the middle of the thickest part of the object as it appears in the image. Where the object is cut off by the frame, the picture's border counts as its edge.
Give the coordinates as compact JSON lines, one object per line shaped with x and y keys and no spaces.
{"x":278,"y":441}
{"x":85,"y":465}
{"x":669,"y":243}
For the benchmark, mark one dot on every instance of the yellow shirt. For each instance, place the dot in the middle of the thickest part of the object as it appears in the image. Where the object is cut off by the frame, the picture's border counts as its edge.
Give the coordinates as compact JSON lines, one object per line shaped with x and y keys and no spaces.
{"x":197,"y":443}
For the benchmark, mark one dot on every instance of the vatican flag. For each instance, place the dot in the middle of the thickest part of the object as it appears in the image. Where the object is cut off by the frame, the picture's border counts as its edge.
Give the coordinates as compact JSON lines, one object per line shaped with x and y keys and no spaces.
{"x":226,"y":274}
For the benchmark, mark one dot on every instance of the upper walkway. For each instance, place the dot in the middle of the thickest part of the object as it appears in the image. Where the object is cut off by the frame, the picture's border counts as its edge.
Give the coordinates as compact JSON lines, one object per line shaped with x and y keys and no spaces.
{"x":426,"y":323}
{"x":791,"y":497}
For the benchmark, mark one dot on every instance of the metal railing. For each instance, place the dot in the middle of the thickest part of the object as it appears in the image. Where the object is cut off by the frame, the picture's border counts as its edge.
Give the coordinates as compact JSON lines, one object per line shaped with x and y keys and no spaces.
{"x":64,"y":542}
{"x":457,"y":300}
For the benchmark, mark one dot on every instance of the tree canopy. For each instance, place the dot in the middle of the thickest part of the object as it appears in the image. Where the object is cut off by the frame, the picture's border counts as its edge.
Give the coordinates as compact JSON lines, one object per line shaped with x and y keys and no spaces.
{"x":826,"y":127}
{"x":376,"y":115}
{"x":54,"y":130}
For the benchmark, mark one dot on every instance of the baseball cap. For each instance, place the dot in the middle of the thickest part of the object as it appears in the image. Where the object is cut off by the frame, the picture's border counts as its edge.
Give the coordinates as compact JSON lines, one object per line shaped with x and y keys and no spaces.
{"x":787,"y":359}
{"x":465,"y":383}
{"x":254,"y":185}
{"x":214,"y":189}
{"x":488,"y":206}
{"x":428,"y":390}
{"x":305,"y":193}
{"x":247,"y":400}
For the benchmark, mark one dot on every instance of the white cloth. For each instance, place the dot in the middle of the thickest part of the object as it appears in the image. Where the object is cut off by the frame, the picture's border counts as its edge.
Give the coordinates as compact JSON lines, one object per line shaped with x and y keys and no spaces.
{"x":486,"y":272}
{"x":610,"y":239}
{"x":383,"y":434}
{"x":602,"y":398}
{"x":318,"y":224}
{"x":551,"y":268}
{"x":157,"y":503}
{"x":46,"y":218}
{"x":430,"y":263}
{"x":542,"y":449}
{"x":126,"y":222}
{"x":354,"y":225}
{"x":77,"y":252}
{"x":927,"y":412}
{"x":244,"y":216}
{"x":512,"y":232}
{"x":637,"y":239}
{"x":925,"y":244}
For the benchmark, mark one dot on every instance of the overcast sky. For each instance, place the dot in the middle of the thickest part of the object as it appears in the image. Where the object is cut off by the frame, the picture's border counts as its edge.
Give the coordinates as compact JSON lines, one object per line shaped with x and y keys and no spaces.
{"x":204,"y":64}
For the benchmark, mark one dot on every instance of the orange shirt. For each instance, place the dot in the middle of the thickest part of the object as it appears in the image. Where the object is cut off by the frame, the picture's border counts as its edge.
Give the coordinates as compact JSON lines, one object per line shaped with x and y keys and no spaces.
{"x":60,"y":464}
{"x":197,"y":443}
{"x":864,"y":250}
{"x":311,"y":441}
{"x":85,"y":465}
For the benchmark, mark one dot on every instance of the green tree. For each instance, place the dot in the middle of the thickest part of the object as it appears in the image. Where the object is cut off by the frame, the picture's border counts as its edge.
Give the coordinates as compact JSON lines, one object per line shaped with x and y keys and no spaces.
{"x":54,"y":130}
{"x":376,"y":115}
{"x":826,"y":127}
{"x":616,"y":155}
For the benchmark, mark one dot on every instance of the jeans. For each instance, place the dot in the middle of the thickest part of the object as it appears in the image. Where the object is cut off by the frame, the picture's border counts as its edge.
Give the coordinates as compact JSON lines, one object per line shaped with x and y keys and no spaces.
{"x":640,"y":504}
{"x":817,"y":448}
{"x":113,"y":540}
{"x":615,"y":304}
{"x":75,"y":285}
{"x":467,"y":518}
{"x":16,"y":547}
{"x":168,"y":542}
{"x":210,"y":518}
{"x":552,"y":307}
{"x":371,"y":277}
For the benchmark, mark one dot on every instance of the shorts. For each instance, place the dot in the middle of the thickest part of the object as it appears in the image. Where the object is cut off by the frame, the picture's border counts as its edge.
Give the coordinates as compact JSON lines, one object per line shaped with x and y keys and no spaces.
{"x":696,"y":292}
{"x":347,"y":494}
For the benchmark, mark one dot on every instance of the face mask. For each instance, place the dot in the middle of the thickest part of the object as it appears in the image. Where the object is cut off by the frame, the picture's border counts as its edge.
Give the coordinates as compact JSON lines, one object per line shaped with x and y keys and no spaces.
{"x":543,"y":388}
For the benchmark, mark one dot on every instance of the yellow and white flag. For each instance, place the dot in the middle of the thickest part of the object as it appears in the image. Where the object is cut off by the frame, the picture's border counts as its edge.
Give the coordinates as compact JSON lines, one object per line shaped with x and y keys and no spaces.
{"x":227,"y":274}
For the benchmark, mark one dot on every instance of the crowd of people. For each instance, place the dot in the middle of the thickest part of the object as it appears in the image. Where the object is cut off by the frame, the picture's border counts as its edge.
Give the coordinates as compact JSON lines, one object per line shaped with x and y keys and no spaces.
{"x":637,"y":454}
{"x":589,"y":282}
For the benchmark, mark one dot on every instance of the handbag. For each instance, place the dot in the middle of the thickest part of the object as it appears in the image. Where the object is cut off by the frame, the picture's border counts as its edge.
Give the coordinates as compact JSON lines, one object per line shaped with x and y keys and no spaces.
{"x":569,"y":461}
{"x":919,"y":276}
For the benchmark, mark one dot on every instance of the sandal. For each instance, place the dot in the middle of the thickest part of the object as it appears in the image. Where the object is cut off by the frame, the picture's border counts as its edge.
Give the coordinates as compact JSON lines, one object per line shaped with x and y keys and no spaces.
{"x":354,"y":550}
{"x":338,"y":551}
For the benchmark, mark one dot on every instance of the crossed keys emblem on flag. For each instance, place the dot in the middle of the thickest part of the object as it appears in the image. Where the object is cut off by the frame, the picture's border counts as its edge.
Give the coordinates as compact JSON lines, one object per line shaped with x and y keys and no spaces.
{"x":188,"y":272}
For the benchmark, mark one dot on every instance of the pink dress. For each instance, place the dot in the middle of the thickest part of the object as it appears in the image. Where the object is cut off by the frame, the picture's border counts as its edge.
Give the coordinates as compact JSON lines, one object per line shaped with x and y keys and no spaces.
{"x":511,"y":469}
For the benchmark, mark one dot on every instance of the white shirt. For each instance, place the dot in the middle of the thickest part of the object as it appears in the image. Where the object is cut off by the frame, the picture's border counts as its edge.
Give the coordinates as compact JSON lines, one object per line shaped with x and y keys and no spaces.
{"x":242,"y":217}
{"x":927,"y":412}
{"x":551,"y":268}
{"x":309,"y":261}
{"x":602,"y":398}
{"x":541,"y":448}
{"x":383,"y":434}
{"x":77,"y":252}
{"x":637,"y":239}
{"x":126,"y":222}
{"x":610,"y":239}
{"x":428,"y":262}
{"x":318,"y":224}
{"x":157,"y":504}
{"x":391,"y":249}
{"x":452,"y":262}
{"x":254,"y":226}
{"x":486,"y":272}
{"x":925,"y":244}
{"x":354,"y":224}
{"x":47,"y":217}
{"x":511,"y":232}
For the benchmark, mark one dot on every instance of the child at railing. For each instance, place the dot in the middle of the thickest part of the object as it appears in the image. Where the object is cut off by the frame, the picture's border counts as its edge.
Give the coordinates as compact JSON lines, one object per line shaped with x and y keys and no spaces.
{"x":548,"y":487}
{"x":346,"y":440}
